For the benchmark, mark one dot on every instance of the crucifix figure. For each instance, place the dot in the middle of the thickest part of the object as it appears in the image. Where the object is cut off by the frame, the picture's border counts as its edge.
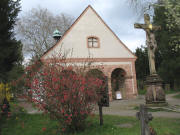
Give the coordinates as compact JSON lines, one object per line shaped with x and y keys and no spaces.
{"x":150,"y":41}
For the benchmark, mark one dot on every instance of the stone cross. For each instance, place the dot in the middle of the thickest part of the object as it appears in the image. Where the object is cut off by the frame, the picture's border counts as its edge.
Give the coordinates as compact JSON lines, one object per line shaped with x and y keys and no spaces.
{"x":145,"y":118}
{"x":150,"y":41}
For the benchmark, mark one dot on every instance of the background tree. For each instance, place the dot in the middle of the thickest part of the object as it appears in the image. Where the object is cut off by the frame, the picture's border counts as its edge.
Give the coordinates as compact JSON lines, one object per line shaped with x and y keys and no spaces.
{"x":171,"y":12}
{"x":142,"y":65}
{"x":10,"y":56}
{"x":35,"y":29}
{"x":168,"y":47}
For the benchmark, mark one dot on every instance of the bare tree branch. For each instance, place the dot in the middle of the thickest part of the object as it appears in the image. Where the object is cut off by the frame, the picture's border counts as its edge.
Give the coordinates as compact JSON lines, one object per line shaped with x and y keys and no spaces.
{"x":35,"y":29}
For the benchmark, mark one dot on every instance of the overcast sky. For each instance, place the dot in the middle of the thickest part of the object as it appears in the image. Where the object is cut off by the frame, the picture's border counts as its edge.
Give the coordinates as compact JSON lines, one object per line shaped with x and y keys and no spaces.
{"x":118,"y":15}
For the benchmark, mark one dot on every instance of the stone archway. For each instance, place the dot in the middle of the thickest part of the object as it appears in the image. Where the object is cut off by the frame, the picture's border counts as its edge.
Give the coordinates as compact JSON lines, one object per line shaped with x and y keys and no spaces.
{"x":104,"y":101}
{"x":118,"y":83}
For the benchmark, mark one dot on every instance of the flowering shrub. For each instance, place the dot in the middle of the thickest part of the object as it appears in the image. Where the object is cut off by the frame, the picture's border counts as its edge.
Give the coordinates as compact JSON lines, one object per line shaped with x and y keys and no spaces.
{"x":5,"y":97}
{"x":67,"y":96}
{"x":5,"y":92}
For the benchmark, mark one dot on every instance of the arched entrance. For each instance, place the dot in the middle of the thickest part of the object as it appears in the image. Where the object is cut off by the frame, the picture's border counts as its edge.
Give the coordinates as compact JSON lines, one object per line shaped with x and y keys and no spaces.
{"x":118,"y":83}
{"x":95,"y":73}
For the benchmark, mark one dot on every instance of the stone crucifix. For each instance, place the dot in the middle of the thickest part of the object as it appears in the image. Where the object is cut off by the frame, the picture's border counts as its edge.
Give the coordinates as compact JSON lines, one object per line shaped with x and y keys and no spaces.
{"x":150,"y":40}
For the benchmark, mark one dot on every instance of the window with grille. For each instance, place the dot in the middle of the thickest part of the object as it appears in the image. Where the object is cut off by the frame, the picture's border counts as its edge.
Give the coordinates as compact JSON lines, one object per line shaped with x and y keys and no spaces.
{"x":93,"y":42}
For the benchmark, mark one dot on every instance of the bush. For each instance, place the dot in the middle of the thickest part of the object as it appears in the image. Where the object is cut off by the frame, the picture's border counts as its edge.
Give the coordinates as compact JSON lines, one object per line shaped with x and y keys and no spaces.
{"x":67,"y":96}
{"x":5,"y":92}
{"x":5,"y":97}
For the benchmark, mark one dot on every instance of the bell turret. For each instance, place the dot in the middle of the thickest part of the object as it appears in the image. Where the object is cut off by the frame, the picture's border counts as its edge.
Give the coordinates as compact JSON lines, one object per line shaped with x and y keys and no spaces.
{"x":57,"y":35}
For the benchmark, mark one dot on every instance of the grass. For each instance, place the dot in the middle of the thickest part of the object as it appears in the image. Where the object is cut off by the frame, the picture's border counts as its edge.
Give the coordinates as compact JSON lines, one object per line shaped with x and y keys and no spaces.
{"x":143,"y":92}
{"x":15,"y":108}
{"x":177,"y":96}
{"x":155,"y":109}
{"x":172,"y":91}
{"x":26,"y":124}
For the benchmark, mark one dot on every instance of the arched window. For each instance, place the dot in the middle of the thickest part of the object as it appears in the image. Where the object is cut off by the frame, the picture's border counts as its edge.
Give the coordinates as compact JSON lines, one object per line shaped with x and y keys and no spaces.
{"x":93,"y":42}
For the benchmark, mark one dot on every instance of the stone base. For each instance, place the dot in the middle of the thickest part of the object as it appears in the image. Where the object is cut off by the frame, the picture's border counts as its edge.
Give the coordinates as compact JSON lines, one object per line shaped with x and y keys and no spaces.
{"x":155,"y":93}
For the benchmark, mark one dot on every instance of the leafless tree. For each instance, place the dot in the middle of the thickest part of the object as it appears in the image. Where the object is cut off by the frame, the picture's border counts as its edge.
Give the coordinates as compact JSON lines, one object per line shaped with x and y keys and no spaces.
{"x":35,"y":29}
{"x":143,"y":6}
{"x":172,"y":7}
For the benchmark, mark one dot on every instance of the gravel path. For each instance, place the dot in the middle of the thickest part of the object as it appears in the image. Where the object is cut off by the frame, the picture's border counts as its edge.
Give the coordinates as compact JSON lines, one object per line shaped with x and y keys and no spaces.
{"x":29,"y":107}
{"x":123,"y":107}
{"x":126,"y":107}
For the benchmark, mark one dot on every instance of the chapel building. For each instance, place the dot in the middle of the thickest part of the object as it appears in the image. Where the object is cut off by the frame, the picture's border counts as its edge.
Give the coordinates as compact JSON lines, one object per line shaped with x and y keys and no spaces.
{"x":90,"y":36}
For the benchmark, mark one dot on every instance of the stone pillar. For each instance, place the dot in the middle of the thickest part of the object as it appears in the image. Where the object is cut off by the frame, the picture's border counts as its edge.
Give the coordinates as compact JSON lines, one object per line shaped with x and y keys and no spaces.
{"x":109,"y":87}
{"x":130,"y":82}
{"x":134,"y":79}
{"x":129,"y":88}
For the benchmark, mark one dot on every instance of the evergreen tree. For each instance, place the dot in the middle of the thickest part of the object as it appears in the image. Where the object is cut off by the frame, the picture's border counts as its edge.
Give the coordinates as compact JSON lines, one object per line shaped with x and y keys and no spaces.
{"x":11,"y":49}
{"x":168,"y":48}
{"x":142,"y":66}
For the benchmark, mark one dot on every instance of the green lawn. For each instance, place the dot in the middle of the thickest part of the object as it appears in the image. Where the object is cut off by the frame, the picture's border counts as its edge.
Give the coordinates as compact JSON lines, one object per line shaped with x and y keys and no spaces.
{"x":143,"y":91}
{"x":154,"y":109}
{"x":172,"y":91}
{"x":26,"y":124}
{"x":177,"y":96}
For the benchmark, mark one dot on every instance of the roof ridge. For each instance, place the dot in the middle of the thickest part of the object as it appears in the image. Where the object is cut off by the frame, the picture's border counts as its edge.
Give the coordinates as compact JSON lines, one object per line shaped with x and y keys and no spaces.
{"x":68,"y":30}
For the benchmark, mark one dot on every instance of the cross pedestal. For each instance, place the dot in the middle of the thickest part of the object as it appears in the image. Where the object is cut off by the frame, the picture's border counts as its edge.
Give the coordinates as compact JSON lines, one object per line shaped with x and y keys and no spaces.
{"x":155,"y":94}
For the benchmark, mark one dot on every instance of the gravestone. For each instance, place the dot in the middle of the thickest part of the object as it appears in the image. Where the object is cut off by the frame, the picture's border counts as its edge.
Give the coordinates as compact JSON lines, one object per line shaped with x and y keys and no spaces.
{"x":155,"y":93}
{"x":145,"y":118}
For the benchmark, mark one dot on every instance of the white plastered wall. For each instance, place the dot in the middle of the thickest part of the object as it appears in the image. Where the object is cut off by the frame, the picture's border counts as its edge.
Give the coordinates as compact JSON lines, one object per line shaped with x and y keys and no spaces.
{"x":75,"y":42}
